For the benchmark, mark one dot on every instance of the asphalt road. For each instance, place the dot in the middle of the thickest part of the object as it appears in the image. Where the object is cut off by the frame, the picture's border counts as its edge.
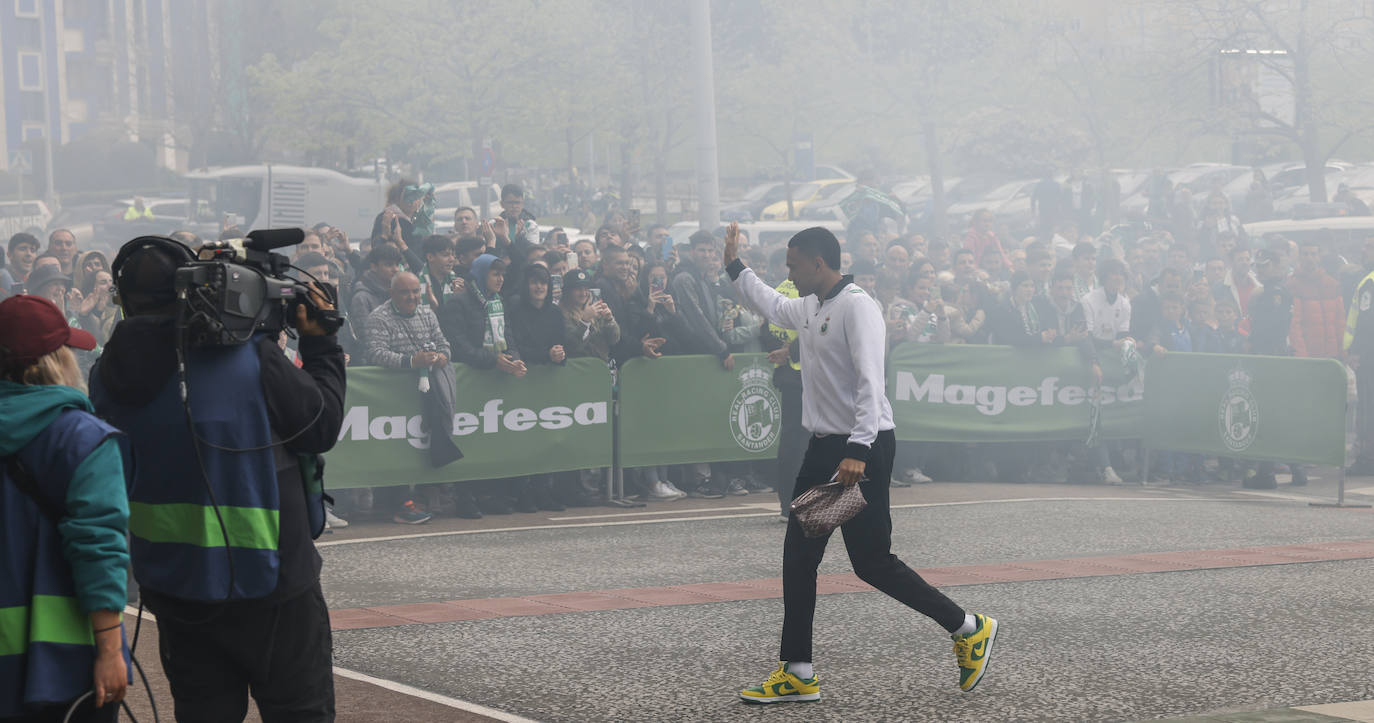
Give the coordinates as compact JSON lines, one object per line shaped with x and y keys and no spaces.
{"x":1112,"y":648}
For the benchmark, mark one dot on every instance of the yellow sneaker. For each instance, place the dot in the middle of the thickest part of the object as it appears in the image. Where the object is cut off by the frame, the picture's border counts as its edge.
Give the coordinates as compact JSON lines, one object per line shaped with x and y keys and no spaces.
{"x":974,"y":650}
{"x":784,"y":687}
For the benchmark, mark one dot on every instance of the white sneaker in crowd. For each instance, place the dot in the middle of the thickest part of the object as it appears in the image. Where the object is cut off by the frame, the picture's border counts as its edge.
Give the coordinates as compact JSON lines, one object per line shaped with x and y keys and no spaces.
{"x":1110,"y":477}
{"x":333,"y":521}
{"x":659,"y":492}
{"x":677,"y":493}
{"x":916,"y":476}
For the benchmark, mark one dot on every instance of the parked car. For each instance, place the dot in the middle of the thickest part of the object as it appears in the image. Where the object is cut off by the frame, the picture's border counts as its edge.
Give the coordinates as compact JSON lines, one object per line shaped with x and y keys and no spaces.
{"x":753,"y":202}
{"x":1199,"y":178}
{"x":1341,"y":232}
{"x":1010,"y":204}
{"x":958,"y":189}
{"x":827,"y":206}
{"x":81,"y":220}
{"x":1298,"y":200}
{"x":166,"y":210}
{"x":168,"y":214}
{"x":802,"y":194}
{"x":1283,"y":179}
{"x":909,"y":191}
{"x":833,"y":172}
{"x":449,"y":197}
{"x":1130,"y":180}
{"x":761,"y":233}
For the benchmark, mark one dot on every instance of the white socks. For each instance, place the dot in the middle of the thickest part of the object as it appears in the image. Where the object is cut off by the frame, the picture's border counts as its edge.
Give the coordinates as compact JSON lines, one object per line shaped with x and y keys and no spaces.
{"x":805,"y":671}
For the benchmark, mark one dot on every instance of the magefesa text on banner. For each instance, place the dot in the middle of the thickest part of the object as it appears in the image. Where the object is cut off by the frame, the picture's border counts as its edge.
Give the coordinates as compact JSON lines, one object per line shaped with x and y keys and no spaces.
{"x":359,"y":426}
{"x":993,"y":400}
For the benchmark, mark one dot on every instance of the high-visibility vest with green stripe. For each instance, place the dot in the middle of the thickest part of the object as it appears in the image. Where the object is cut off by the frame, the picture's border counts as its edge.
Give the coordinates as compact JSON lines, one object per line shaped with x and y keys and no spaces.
{"x":46,"y":644}
{"x":1364,"y":298}
{"x":179,"y":510}
{"x":786,"y":336}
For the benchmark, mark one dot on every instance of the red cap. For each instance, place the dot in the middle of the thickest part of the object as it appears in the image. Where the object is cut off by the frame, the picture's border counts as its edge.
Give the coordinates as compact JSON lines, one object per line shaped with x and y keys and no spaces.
{"x":31,"y":327}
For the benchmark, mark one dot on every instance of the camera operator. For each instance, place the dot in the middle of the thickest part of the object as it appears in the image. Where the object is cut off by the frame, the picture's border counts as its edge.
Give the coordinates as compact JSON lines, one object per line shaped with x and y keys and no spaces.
{"x":249,"y":615}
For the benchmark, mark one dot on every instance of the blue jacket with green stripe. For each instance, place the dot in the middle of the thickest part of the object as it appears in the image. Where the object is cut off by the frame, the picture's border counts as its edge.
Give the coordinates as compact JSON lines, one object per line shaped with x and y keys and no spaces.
{"x":255,"y":416}
{"x":54,"y":573}
{"x":179,"y":499}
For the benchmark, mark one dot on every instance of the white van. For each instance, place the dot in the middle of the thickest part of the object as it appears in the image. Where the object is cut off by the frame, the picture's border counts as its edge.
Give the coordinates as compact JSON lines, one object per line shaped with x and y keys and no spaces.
{"x":449,"y":197}
{"x":16,"y":216}
{"x":761,"y":233}
{"x":273,"y":196}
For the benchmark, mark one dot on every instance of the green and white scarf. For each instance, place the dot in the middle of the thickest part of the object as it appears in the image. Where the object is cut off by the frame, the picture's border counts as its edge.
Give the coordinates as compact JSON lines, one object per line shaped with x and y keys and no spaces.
{"x":494,"y":339}
{"x":1030,"y":319}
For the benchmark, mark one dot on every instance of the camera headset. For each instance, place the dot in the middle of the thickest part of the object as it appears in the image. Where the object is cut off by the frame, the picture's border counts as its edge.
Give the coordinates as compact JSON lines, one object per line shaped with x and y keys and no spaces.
{"x":178,"y":253}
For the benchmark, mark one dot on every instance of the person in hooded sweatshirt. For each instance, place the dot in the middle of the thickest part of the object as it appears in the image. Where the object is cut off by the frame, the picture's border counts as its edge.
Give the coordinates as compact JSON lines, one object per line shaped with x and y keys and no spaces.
{"x":372,"y":290}
{"x":474,"y":322}
{"x":536,"y":324}
{"x":64,"y":517}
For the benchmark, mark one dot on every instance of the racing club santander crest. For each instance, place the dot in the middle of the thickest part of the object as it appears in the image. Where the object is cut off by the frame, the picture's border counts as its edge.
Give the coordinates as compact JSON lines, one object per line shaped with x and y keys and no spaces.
{"x":1238,"y":414}
{"x":756,"y":413}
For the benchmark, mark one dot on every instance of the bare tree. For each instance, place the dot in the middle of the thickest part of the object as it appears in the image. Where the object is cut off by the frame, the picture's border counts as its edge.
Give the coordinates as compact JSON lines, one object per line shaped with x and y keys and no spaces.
{"x":939,"y":59}
{"x":1319,"y":50}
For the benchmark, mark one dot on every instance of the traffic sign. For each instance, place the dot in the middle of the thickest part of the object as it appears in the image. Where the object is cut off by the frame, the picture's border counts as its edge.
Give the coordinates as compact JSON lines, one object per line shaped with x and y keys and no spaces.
{"x":488,"y":162}
{"x":21,"y":162}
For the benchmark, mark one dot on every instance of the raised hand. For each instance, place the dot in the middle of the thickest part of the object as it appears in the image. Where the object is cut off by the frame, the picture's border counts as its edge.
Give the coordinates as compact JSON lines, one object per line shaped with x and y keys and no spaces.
{"x":731,"y":243}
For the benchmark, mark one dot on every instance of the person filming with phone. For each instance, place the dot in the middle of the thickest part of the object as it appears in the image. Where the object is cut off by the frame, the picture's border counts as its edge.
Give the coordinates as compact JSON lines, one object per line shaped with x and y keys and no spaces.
{"x":845,"y":408}
{"x":590,"y":328}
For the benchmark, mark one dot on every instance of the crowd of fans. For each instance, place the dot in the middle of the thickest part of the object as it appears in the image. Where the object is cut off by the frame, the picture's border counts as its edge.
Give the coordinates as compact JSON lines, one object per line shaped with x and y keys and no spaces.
{"x":500,"y":294}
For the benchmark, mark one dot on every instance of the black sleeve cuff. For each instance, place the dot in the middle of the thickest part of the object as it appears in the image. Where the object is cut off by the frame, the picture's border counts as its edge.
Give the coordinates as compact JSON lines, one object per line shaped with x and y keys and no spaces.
{"x":854,"y":450}
{"x":311,"y":345}
{"x":735,"y":268}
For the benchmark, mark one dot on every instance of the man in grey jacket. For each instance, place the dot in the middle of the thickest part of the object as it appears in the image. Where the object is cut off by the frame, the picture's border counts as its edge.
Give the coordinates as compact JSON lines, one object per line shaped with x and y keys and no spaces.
{"x":700,"y":314}
{"x":402,"y":334}
{"x":696,"y":302}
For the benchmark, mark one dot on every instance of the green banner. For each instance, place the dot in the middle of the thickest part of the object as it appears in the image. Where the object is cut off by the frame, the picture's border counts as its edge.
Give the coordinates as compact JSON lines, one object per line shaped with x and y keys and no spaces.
{"x":686,"y":409}
{"x":965,"y":393}
{"x":553,"y":419}
{"x":1250,"y":407}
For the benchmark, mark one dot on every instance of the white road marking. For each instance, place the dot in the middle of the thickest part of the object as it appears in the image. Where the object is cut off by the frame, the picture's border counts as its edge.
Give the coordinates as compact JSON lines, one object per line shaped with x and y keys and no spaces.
{"x":1361,"y":491}
{"x":1356,"y":710}
{"x":133,"y":610}
{"x":524,"y":528}
{"x":432,"y":697}
{"x":1281,"y":496}
{"x":398,"y":687}
{"x":756,"y":506}
{"x":616,"y":523}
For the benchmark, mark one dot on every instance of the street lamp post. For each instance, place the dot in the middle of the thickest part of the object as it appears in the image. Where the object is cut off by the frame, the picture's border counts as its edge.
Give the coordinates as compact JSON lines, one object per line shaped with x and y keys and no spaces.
{"x":708,"y":176}
{"x":44,"y":69}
